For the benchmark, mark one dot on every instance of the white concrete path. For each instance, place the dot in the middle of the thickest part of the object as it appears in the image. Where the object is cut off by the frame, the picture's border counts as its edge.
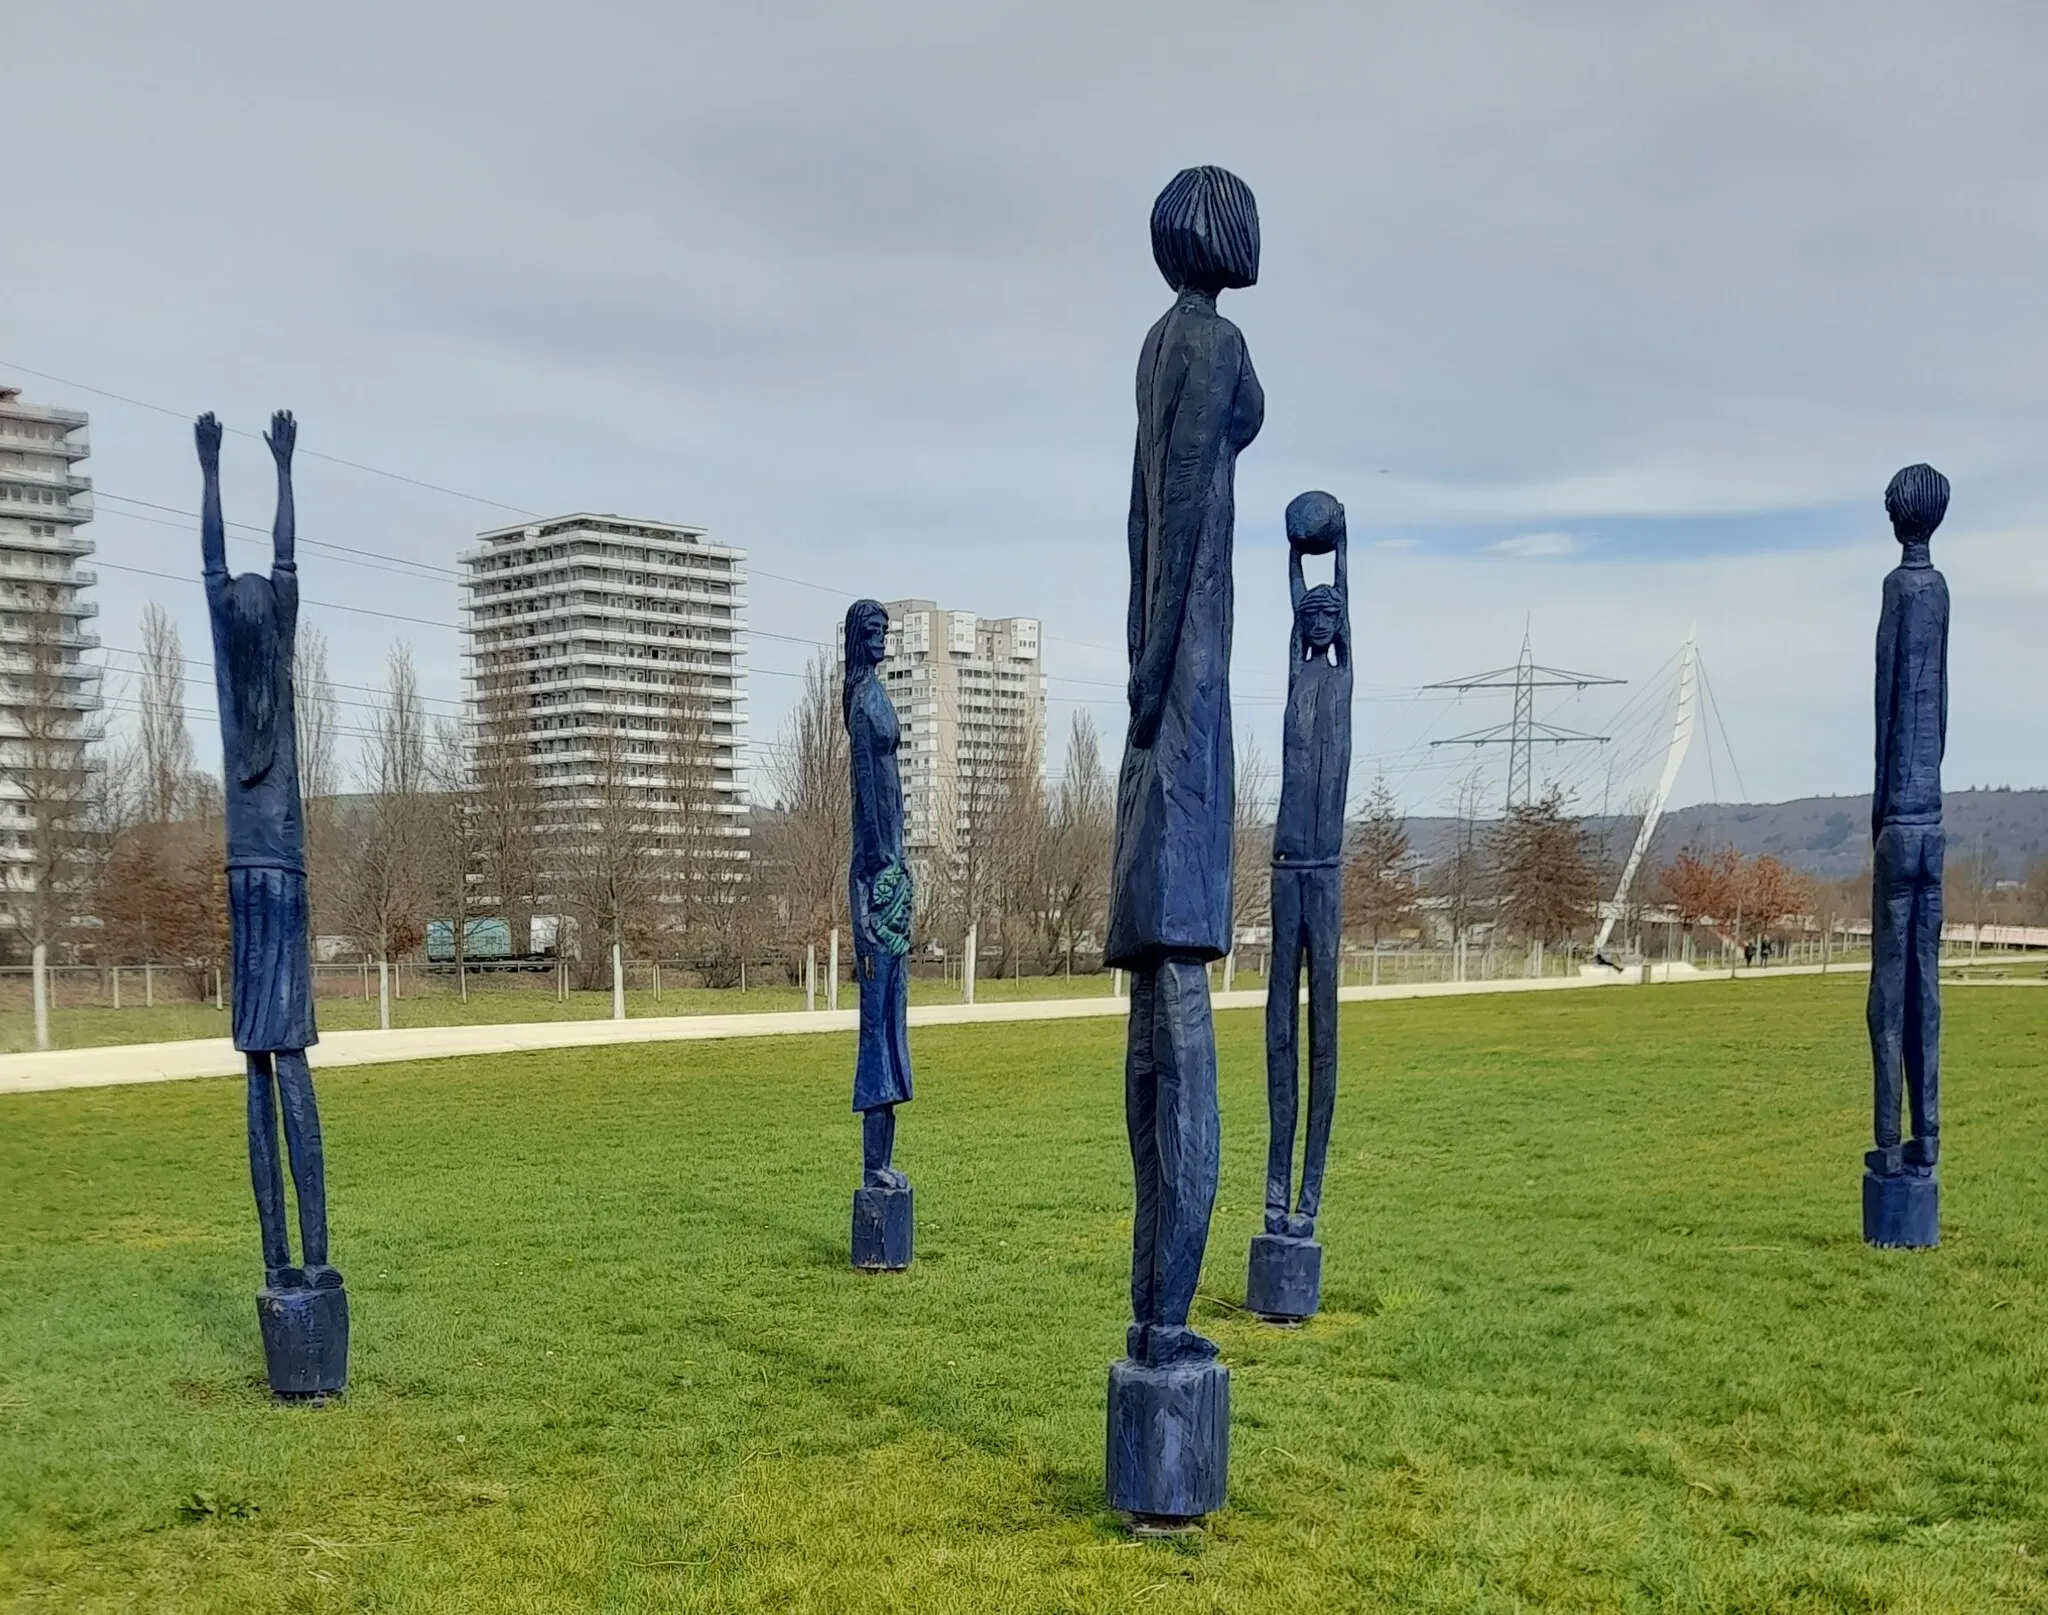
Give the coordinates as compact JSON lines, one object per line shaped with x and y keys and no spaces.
{"x":216,"y":1056}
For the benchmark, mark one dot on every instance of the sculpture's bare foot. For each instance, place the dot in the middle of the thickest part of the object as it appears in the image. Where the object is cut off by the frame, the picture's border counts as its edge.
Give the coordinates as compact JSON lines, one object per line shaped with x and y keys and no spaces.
{"x":284,"y":1278}
{"x":1302,"y":1225}
{"x":319,"y":1276}
{"x":1276,"y":1219}
{"x":884,"y":1177}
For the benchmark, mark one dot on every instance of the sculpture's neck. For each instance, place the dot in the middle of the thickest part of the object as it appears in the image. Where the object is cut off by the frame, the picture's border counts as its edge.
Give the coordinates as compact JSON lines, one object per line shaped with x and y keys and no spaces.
{"x":1915,"y":553}
{"x":1197,"y":297}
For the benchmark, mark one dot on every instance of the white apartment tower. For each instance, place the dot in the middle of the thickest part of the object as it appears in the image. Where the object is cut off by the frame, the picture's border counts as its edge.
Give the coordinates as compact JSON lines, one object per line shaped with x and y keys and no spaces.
{"x":49,"y":694}
{"x":971,"y":699}
{"x":586,"y":624}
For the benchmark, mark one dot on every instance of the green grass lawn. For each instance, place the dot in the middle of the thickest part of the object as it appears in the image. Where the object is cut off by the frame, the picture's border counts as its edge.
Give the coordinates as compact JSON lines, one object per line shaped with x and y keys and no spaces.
{"x":97,"y":1024}
{"x":1600,"y":1333}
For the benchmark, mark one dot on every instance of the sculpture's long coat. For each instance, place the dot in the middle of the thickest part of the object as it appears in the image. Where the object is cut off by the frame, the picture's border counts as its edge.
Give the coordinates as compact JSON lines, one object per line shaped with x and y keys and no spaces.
{"x":1199,"y":403}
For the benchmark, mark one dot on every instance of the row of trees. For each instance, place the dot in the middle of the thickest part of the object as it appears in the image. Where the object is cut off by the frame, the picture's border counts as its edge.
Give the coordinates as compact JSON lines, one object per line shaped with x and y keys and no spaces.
{"x":629,"y":839}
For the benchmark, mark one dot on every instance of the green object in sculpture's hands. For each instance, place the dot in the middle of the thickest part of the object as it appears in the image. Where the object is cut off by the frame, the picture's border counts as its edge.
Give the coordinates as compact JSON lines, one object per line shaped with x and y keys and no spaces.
{"x":889,"y":910}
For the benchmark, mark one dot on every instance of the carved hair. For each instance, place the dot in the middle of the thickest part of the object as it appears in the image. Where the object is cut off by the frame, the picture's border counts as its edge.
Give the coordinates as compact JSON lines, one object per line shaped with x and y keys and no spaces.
{"x":253,"y":671}
{"x":1916,"y":501}
{"x":853,"y":665}
{"x":1205,"y":231}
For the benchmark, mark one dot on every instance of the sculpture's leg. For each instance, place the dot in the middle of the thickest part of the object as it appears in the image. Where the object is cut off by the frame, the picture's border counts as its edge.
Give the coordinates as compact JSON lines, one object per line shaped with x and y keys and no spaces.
{"x":1168,"y":1457}
{"x":1923,"y":1004}
{"x":877,"y":1139}
{"x":304,"y":1315}
{"x":266,"y":1175}
{"x":1141,"y":1097}
{"x":1188,"y":1134}
{"x":1283,"y":1017}
{"x":309,"y":1161}
{"x":1890,"y":915}
{"x":1321,"y":921}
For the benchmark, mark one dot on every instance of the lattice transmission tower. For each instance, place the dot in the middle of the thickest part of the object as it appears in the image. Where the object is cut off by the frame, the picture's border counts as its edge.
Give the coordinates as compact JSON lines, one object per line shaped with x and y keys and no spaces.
{"x":1521,"y":733}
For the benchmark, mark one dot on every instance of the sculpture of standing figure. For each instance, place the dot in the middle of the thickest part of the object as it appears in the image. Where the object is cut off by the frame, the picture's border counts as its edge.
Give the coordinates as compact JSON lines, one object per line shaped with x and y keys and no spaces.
{"x":1199,"y":404}
{"x":1901,"y":1198}
{"x":303,"y":1308}
{"x":1285,"y":1277}
{"x":879,"y":900}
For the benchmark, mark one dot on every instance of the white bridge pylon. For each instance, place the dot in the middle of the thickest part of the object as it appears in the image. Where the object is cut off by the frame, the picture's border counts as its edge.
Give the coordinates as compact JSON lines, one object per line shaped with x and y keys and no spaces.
{"x":1674,"y":759}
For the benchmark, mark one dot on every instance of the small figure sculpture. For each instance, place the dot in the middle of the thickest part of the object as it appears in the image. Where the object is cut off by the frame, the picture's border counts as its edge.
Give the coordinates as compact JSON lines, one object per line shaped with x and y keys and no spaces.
{"x":1199,"y":404}
{"x":1901,"y":1197}
{"x":1284,"y":1283}
{"x":880,"y":903}
{"x":303,"y":1309}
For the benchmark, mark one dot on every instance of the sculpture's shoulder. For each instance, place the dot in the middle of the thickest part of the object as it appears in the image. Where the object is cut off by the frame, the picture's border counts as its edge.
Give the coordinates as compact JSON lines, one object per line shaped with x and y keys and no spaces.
{"x":875,"y":713}
{"x":1921,"y":586}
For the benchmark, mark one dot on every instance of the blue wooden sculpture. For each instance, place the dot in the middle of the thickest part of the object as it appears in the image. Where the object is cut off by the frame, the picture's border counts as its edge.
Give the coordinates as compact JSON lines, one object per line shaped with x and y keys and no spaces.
{"x":1199,"y":404}
{"x":302,"y":1308}
{"x":1901,"y":1198}
{"x":879,"y":899}
{"x":1284,"y":1281}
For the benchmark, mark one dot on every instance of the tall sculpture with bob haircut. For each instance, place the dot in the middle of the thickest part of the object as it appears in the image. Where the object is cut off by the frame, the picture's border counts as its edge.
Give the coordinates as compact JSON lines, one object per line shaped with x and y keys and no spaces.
{"x":1199,"y":403}
{"x":1205,"y":231}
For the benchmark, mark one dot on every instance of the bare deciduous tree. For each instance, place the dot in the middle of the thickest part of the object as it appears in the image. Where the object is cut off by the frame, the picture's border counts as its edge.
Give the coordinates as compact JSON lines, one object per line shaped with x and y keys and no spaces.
{"x":386,"y":850}
{"x":164,"y":741}
{"x":316,"y":720}
{"x":1461,"y":878}
{"x":1251,"y":839}
{"x":605,"y":844}
{"x":1072,"y":883}
{"x":47,"y":760}
{"x":808,"y":773}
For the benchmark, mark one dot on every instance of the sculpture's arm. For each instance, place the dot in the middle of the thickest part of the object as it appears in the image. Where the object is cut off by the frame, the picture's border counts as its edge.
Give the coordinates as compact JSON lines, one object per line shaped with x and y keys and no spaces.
{"x":1296,"y":585}
{"x":1195,"y":425}
{"x":1887,"y":689}
{"x":1941,"y":667}
{"x":1134,"y":625}
{"x":867,"y":829}
{"x":282,"y":437}
{"x":213,"y":533}
{"x":1344,"y":621}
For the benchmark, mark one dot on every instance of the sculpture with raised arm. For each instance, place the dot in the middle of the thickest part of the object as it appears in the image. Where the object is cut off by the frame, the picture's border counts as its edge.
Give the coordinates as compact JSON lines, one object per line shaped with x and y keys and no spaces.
{"x":1199,"y":404}
{"x":879,"y":901}
{"x":302,"y":1306}
{"x":1284,"y":1281}
{"x":1901,"y":1197}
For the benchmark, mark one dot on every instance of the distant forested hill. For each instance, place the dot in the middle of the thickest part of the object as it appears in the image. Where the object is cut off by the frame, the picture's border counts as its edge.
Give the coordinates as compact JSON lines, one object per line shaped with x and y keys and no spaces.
{"x":1828,"y":836}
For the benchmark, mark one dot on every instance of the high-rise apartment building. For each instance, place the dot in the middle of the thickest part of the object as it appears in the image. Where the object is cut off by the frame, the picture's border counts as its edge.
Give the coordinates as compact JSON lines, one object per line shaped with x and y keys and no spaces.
{"x":49,"y":693}
{"x":970,"y":696}
{"x":612,"y":646}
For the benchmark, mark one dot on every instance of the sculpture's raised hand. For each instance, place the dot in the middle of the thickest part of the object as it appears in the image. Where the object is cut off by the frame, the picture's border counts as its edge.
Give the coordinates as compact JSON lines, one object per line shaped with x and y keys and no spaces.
{"x":206,"y":434}
{"x":282,"y":437}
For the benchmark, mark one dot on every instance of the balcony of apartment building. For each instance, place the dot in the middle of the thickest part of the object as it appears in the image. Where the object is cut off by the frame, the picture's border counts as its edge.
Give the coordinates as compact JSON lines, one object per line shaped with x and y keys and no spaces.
{"x":50,"y":431}
{"x":16,"y":633}
{"x":18,"y":568}
{"x":58,"y":543}
{"x":13,"y":698}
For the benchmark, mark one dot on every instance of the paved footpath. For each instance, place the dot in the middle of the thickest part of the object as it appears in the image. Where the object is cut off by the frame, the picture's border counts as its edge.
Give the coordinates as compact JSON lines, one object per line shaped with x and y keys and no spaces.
{"x":216,"y":1056}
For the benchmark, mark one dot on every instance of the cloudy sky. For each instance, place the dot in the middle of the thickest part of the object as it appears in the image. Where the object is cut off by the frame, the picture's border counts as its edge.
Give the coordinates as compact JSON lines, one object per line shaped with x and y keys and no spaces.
{"x":1605,"y":319}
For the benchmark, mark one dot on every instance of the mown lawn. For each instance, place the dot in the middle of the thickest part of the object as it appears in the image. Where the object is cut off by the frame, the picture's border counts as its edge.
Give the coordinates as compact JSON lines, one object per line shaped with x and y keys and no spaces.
{"x":97,"y":1024}
{"x":1600,"y":1332}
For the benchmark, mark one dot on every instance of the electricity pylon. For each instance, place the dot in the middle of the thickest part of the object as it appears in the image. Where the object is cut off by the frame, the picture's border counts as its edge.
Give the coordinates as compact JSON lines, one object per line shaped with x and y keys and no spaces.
{"x":1521,"y":732}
